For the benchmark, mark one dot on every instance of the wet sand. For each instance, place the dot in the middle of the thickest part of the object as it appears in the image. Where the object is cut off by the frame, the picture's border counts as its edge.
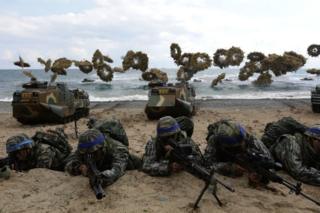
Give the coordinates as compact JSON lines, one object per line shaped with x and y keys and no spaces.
{"x":42,"y":190}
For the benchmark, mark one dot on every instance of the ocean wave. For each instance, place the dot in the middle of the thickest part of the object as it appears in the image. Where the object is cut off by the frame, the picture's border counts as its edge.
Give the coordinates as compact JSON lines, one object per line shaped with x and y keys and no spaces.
{"x":6,"y":99}
{"x":260,"y":95}
{"x":119,"y":98}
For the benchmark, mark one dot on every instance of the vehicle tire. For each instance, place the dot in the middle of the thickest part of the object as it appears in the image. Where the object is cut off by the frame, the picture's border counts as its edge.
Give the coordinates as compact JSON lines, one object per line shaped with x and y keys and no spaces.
{"x":315,"y":108}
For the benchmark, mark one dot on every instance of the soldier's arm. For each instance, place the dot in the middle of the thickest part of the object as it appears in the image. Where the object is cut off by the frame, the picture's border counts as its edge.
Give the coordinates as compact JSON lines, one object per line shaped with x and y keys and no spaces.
{"x":288,"y":151}
{"x":45,"y":156}
{"x":73,"y":163}
{"x":151,"y":165}
{"x":210,"y":152}
{"x":257,"y":146}
{"x":120,"y":156}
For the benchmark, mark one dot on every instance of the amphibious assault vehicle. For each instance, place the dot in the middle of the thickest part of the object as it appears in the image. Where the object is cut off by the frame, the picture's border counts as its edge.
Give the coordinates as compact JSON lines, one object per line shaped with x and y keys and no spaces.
{"x":315,"y":99}
{"x":170,"y":99}
{"x":43,"y":102}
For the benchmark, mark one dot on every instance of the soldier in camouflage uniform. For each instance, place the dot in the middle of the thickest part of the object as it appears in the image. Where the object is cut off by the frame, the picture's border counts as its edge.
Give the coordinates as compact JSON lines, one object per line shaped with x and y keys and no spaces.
{"x":114,"y":129}
{"x":111,"y":156}
{"x":156,"y":160}
{"x":39,"y":151}
{"x":226,"y":138}
{"x":298,"y":150}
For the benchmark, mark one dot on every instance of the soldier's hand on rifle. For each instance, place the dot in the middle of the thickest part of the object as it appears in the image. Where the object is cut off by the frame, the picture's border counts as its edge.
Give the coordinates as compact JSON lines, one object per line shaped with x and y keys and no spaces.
{"x":83,"y":169}
{"x":232,"y":170}
{"x":255,"y":180}
{"x":168,"y":148}
{"x":175,"y":167}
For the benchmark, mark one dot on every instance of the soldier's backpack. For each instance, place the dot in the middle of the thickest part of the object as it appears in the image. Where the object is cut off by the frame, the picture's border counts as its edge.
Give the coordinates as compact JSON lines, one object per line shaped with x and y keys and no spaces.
{"x":55,"y":138}
{"x":113,"y":128}
{"x":186,"y":124}
{"x":285,"y":125}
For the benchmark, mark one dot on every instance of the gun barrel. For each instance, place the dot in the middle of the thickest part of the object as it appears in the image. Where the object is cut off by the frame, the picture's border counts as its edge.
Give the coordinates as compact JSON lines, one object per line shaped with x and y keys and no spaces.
{"x":98,"y":190}
{"x":297,"y":189}
{"x":225,"y":185}
{"x":95,"y":178}
{"x":310,"y":198}
{"x":205,"y":174}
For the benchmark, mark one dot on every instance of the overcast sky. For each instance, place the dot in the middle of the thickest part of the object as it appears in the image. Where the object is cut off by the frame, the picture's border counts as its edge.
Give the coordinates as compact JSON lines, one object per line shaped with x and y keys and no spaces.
{"x":75,"y":28}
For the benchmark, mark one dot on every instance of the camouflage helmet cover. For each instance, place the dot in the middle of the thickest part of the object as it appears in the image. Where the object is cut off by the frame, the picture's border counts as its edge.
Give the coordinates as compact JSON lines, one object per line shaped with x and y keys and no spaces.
{"x":167,"y":126}
{"x":313,"y":132}
{"x":229,"y":133}
{"x":18,"y":142}
{"x":90,"y":141}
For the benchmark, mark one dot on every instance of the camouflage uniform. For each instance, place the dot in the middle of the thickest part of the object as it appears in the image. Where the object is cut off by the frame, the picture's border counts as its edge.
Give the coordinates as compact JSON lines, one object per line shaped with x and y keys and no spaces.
{"x":41,"y":155}
{"x":226,"y":133}
{"x":298,"y":157}
{"x":112,"y":162}
{"x":286,"y":125}
{"x":155,"y":162}
{"x":113,"y":128}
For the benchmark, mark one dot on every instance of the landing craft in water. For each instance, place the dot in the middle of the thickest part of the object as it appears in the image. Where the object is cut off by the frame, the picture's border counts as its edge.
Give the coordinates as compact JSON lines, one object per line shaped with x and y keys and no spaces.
{"x":48,"y":102}
{"x":170,"y":99}
{"x":41,"y":102}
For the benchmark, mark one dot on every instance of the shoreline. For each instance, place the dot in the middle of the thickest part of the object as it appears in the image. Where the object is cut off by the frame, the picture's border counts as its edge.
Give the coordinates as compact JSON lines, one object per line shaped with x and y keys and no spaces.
{"x":5,"y":107}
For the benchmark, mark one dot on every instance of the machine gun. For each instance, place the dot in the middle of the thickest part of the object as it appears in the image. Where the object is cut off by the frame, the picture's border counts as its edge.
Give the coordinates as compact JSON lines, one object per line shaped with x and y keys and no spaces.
{"x":95,"y":177}
{"x":265,"y":167}
{"x":182,"y":154}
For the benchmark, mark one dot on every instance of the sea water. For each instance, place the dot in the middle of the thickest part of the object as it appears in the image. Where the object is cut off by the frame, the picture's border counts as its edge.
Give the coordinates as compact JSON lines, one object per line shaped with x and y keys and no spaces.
{"x":129,"y":86}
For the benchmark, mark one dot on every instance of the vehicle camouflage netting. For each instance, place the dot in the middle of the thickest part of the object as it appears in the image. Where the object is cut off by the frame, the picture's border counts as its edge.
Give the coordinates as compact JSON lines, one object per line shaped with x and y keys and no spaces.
{"x":278,"y":64}
{"x":314,"y":50}
{"x":313,"y":71}
{"x":135,"y":60}
{"x":256,"y":56}
{"x":60,"y":66}
{"x":218,"y":79}
{"x":264,"y":79}
{"x":47,"y":64}
{"x":84,"y":66}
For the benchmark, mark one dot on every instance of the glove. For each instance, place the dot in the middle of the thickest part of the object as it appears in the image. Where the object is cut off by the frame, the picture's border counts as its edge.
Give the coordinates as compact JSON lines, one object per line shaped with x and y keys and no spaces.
{"x":108,"y":177}
{"x":5,"y":172}
{"x":108,"y":173}
{"x":232,"y":170}
{"x":255,"y":180}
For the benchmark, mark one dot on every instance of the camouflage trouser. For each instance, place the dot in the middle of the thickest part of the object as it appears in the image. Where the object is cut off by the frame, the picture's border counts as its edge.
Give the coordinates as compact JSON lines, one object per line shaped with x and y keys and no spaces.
{"x":134,"y":162}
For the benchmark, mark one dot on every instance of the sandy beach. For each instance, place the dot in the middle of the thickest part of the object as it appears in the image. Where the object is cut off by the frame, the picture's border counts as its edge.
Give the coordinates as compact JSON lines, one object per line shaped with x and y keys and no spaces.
{"x":42,"y":190}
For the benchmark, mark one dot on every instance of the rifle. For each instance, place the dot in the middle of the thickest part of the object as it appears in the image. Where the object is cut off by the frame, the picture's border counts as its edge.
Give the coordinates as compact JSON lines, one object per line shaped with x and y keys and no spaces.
{"x":95,"y":177}
{"x":264,"y":166}
{"x":182,"y":154}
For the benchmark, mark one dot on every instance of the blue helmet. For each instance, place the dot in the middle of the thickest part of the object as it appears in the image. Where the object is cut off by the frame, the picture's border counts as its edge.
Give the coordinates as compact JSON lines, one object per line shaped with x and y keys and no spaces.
{"x":167,"y":126}
{"x":18,"y":142}
{"x":313,"y":132}
{"x":229,"y":133}
{"x":90,"y":141}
